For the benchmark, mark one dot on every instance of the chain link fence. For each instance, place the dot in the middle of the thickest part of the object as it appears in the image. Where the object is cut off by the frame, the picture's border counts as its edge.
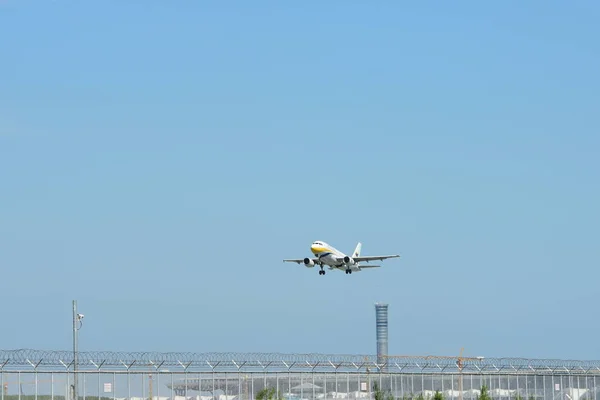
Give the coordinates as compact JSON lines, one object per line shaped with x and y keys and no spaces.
{"x":37,"y":375}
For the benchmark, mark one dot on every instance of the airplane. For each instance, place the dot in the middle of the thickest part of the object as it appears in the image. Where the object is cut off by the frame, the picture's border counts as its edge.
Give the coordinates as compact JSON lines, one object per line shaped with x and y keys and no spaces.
{"x":327,"y":255}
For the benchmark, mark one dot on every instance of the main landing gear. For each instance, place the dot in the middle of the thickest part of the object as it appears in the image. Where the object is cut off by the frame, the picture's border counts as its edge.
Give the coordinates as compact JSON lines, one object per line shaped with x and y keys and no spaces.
{"x":321,"y":271}
{"x":348,"y":271}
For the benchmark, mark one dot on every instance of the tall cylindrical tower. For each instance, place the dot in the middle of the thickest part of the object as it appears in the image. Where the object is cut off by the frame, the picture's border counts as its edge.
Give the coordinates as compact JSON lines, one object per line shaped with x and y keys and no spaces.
{"x":381,"y":325}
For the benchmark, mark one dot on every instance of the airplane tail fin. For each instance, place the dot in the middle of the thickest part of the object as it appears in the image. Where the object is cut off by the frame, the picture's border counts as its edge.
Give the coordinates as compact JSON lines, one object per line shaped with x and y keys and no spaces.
{"x":357,"y":250}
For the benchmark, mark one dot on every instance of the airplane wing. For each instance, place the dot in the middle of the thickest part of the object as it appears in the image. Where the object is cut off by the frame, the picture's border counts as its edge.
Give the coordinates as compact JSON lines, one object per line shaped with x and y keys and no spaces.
{"x":301,"y":260}
{"x":369,"y":266}
{"x":371,"y":258}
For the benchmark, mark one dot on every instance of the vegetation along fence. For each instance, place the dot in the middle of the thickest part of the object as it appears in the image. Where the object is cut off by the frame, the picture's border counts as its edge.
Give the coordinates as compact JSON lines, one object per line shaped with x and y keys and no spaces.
{"x":45,"y":375}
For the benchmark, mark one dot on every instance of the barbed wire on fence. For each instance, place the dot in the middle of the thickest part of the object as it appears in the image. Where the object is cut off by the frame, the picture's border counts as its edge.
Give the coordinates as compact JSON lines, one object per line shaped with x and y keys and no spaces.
{"x":280,"y":362}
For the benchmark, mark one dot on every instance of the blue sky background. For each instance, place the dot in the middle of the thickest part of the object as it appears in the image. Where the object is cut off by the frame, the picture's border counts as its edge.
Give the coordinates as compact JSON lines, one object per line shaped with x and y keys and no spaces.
{"x":158,"y":160}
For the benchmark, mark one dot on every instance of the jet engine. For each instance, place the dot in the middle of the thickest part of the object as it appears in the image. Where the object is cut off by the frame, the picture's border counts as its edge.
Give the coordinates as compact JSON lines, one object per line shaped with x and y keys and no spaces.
{"x":349,"y":260}
{"x":309,"y":263}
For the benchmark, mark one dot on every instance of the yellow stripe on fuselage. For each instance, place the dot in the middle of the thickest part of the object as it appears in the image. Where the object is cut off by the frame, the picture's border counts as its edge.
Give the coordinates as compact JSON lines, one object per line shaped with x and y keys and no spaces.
{"x":318,"y":250}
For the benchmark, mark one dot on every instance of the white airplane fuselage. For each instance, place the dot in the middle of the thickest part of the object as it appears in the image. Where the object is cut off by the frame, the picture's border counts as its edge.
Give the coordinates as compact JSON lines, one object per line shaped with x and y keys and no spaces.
{"x":327,"y":255}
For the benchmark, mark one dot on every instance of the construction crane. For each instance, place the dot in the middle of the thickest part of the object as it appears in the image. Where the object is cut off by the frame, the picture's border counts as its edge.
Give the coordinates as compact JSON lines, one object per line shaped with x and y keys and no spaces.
{"x":459,"y":363}
{"x":21,"y":383}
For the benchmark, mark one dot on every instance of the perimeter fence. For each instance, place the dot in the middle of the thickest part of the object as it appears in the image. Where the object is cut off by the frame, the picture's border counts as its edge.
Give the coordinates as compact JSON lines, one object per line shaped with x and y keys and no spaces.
{"x":49,"y":375}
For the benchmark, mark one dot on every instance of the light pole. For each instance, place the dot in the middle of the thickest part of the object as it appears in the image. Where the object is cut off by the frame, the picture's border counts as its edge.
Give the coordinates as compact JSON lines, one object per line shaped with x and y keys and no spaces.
{"x":77,"y":324}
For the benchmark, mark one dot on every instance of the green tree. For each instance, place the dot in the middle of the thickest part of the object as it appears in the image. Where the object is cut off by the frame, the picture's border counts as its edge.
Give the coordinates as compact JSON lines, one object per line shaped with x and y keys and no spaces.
{"x":438,"y":395}
{"x":484,"y":394}
{"x":379,"y":394}
{"x":268,"y":393}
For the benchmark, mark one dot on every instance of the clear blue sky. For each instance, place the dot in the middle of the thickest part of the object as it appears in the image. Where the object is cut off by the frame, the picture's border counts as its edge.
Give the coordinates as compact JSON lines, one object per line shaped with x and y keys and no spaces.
{"x":159,"y":160}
